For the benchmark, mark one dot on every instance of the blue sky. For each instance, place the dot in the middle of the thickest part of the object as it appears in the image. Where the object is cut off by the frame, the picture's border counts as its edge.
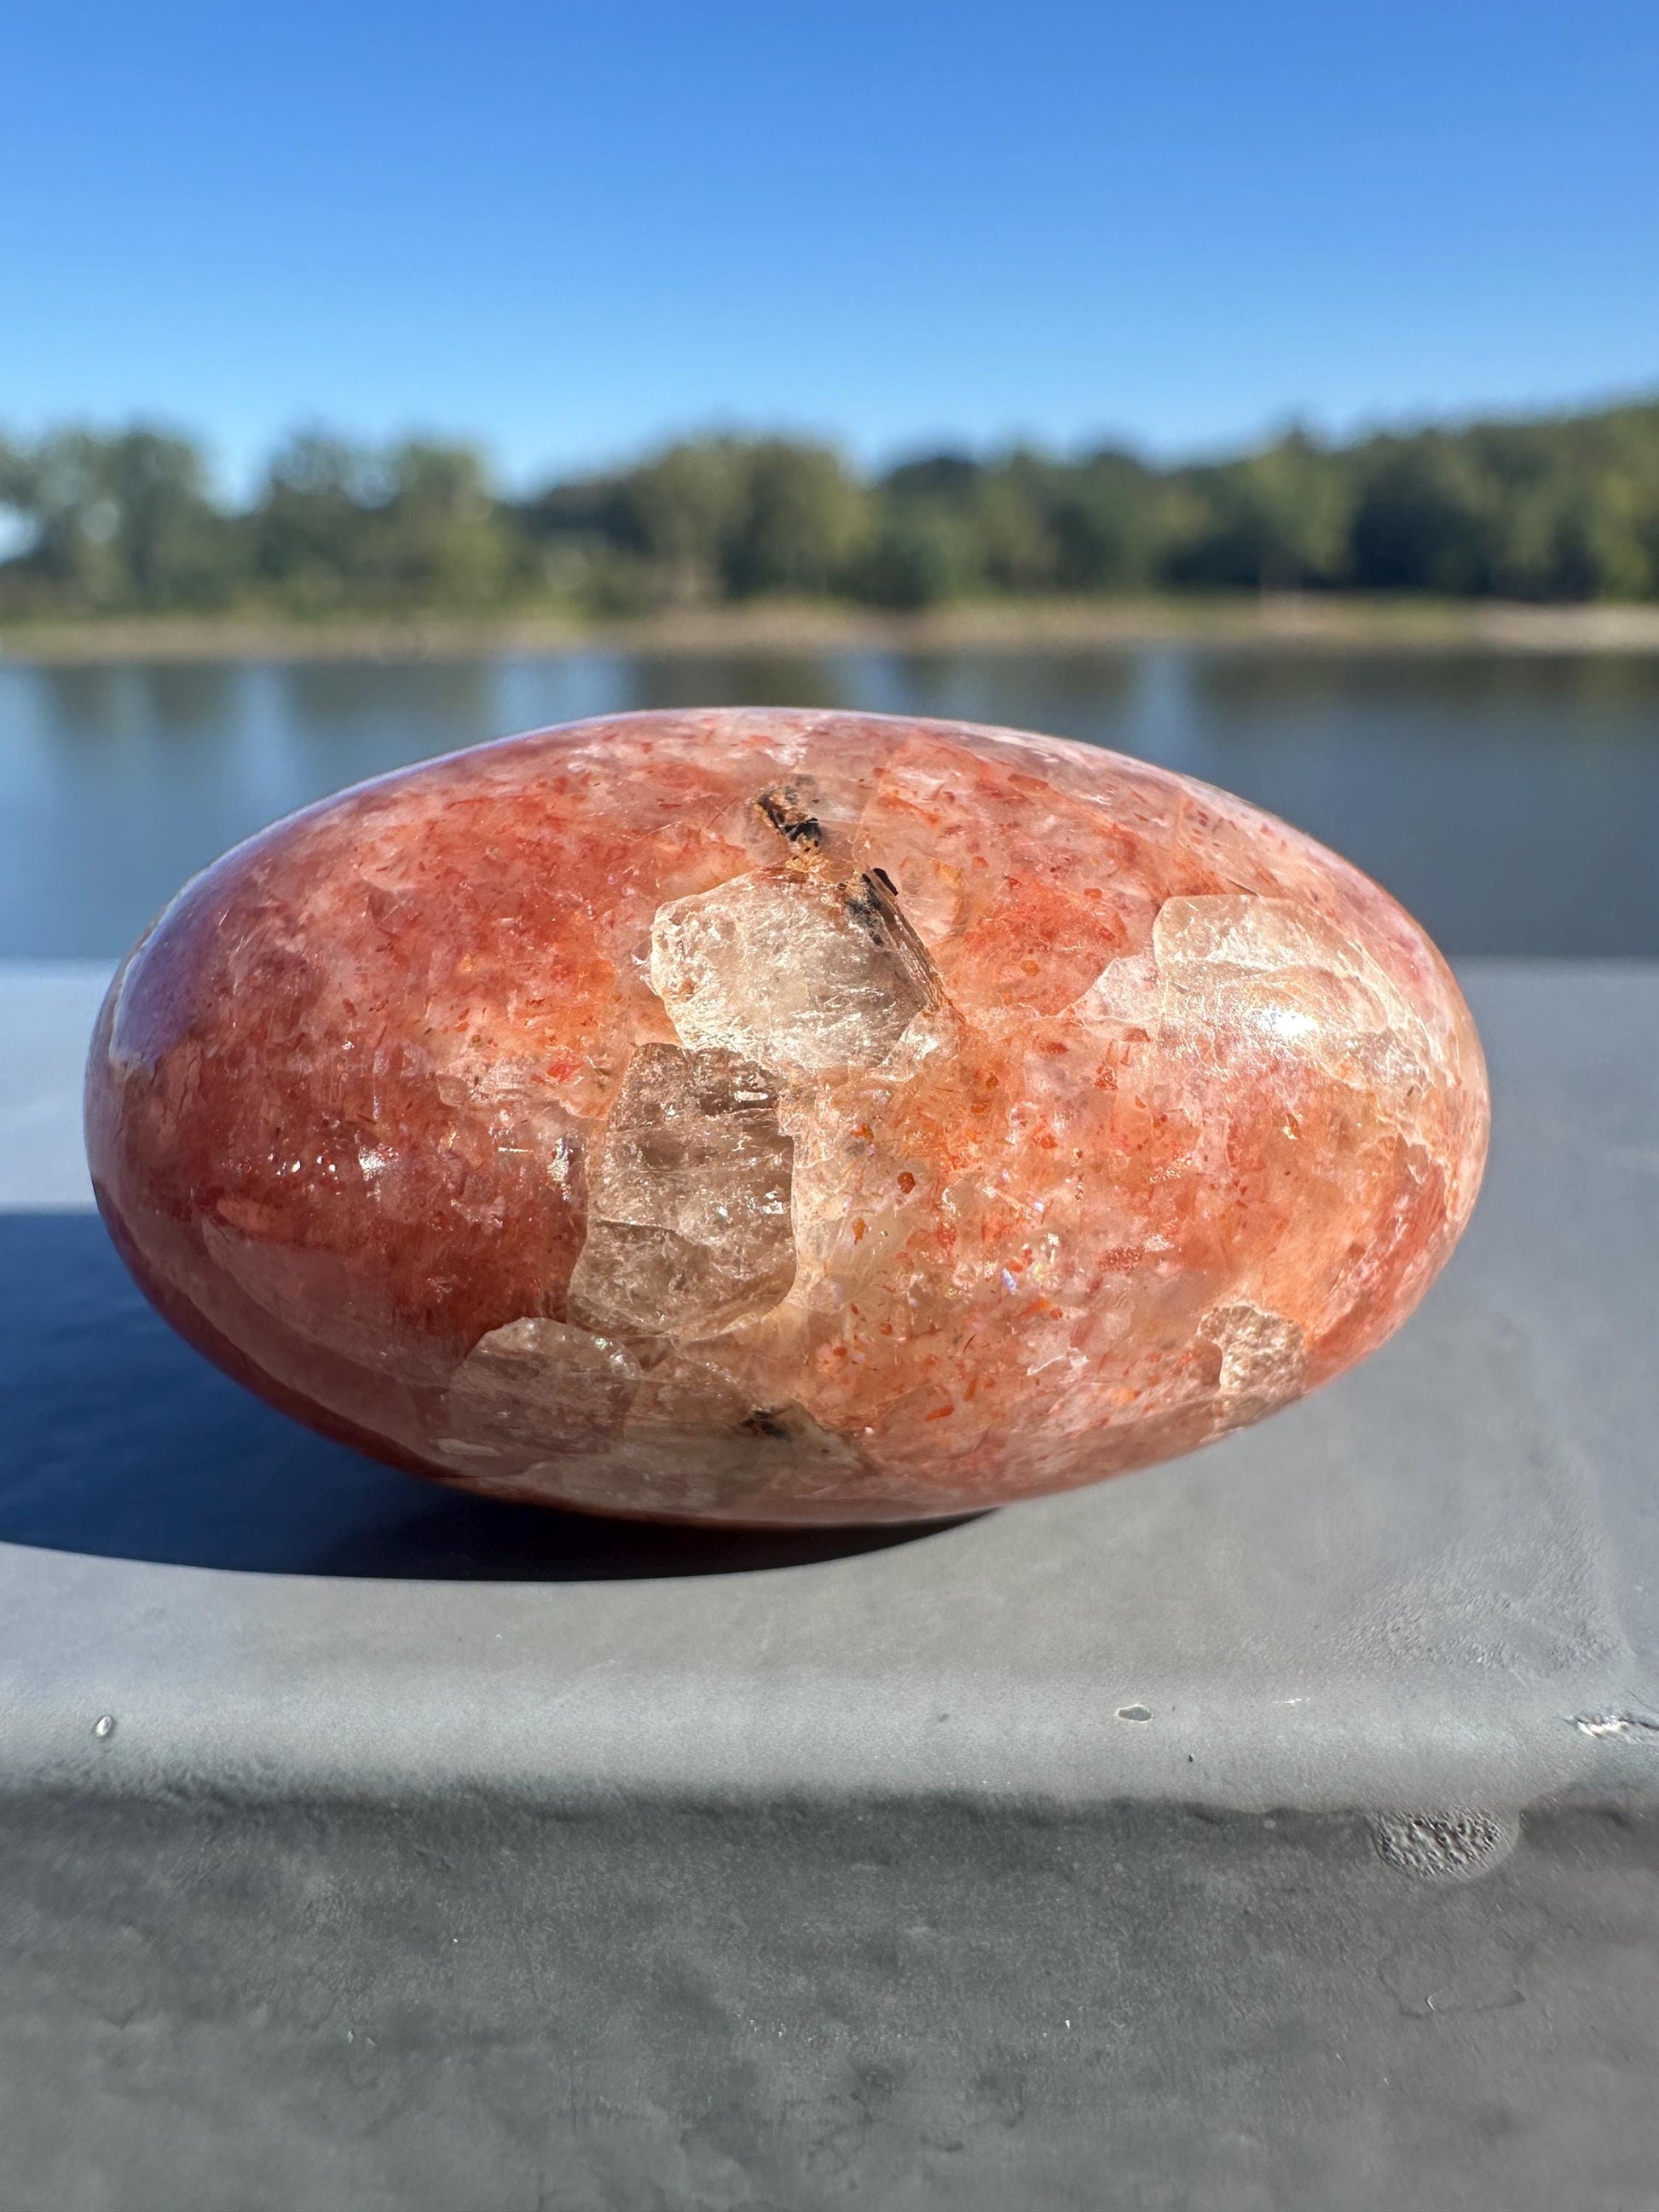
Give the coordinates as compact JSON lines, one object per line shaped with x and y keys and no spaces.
{"x":571,"y":231}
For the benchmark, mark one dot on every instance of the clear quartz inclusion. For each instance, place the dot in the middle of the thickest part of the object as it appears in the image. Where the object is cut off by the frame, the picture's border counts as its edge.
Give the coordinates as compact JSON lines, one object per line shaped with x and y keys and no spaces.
{"x":778,"y":1117}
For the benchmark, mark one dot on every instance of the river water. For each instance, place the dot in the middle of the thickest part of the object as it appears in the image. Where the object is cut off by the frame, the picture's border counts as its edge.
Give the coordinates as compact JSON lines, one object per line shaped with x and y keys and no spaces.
{"x":1512,"y":801}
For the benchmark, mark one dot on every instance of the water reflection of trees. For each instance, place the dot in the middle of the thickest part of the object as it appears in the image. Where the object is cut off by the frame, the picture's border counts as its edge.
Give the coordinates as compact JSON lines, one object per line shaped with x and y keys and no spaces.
{"x":160,"y":699}
{"x":748,"y":679}
{"x":1510,"y":800}
{"x":452,"y":700}
{"x":1258,"y":682}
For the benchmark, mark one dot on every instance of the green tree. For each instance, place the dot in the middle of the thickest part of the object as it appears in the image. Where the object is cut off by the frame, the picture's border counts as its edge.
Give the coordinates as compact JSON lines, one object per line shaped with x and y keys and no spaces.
{"x":682,"y":511}
{"x":713,"y":517}
{"x":410,"y":524}
{"x":800,"y":523}
{"x":309,"y":520}
{"x":120,"y":522}
{"x":1426,"y":516}
{"x":439,"y":536}
{"x":950,"y":525}
{"x":124,"y":520}
{"x":1109,"y":519}
{"x":917,"y":554}
{"x":1278,"y":520}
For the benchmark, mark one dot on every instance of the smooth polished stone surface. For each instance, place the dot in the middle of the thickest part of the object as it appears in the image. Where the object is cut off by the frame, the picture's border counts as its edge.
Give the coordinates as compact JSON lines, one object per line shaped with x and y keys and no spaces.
{"x":774,"y":1116}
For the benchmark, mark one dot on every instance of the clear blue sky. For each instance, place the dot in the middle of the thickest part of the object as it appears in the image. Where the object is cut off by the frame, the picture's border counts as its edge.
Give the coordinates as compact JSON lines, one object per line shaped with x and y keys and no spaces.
{"x":570,"y":230}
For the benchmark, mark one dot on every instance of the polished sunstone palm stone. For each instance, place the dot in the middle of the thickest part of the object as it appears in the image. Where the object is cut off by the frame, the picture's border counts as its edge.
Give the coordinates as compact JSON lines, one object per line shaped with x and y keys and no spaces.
{"x":780,"y":1117}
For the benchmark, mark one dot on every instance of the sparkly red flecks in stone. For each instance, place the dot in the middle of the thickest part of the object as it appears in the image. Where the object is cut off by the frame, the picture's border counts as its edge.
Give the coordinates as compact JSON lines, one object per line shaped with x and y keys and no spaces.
{"x":784,"y":1117}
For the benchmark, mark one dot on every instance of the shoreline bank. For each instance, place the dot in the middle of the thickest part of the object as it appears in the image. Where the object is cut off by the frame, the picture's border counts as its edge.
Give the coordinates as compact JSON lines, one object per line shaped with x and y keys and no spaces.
{"x":806,"y":628}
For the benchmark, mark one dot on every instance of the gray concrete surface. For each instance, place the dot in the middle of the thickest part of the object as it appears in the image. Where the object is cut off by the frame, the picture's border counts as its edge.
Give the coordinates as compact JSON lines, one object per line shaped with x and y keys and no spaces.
{"x":1276,"y":1829}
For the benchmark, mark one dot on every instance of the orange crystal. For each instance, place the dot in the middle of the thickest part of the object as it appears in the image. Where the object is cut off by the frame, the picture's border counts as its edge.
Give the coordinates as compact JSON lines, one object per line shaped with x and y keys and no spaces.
{"x":779,"y":1117}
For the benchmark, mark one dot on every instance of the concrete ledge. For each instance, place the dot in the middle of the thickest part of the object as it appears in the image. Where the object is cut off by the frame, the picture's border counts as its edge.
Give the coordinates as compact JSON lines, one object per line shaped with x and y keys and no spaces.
{"x":440,"y":1854}
{"x":471,"y":2006}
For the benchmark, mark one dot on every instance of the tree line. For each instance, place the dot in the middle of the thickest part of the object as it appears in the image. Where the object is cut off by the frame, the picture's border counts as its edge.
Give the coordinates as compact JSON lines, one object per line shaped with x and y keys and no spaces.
{"x":1564,"y":508}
